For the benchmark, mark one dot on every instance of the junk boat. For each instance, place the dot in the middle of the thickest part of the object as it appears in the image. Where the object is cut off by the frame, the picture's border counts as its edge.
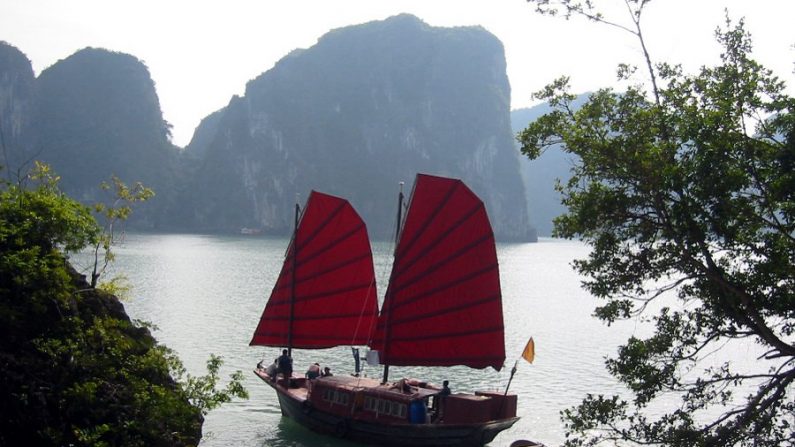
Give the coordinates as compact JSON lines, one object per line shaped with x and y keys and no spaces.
{"x":443,"y":307}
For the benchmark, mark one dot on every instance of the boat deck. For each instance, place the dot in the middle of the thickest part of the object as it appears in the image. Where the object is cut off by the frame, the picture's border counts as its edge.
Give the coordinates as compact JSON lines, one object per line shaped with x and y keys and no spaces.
{"x":299,"y":392}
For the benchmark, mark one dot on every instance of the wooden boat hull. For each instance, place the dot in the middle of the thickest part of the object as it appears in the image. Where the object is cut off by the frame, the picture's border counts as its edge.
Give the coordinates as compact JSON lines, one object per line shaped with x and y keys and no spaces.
{"x":382,"y":434}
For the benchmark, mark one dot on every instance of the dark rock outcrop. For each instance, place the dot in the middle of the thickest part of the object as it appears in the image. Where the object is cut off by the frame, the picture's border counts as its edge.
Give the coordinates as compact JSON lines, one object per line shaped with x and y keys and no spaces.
{"x":77,"y":369}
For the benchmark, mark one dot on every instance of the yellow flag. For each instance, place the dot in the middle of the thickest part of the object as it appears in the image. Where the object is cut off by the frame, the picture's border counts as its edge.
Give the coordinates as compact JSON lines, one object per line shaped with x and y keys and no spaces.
{"x":529,"y":352}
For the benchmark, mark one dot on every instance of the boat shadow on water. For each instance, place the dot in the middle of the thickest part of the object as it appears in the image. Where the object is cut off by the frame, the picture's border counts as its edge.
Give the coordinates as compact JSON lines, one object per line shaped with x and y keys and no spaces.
{"x":290,"y":433}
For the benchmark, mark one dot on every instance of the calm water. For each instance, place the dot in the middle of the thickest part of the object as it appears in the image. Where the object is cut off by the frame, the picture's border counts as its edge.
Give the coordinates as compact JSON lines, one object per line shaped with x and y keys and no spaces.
{"x":205,"y":295}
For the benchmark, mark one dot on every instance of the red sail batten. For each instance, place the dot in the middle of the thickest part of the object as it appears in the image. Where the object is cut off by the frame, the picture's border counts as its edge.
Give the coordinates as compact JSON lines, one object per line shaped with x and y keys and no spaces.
{"x":334,"y":271}
{"x":443,"y":306}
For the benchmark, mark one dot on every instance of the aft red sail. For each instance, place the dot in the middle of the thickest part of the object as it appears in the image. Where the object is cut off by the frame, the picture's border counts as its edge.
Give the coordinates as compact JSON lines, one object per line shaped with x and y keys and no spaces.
{"x":443,"y":306}
{"x":334,"y":299}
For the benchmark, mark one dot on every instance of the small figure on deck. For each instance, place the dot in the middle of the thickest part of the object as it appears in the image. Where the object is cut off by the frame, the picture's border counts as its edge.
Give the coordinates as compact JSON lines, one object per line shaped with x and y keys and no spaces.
{"x":445,"y":388}
{"x":313,"y":372}
{"x":285,"y":365}
{"x":272,"y":369}
{"x":326,"y":372}
{"x":439,"y":402}
{"x":357,"y":365}
{"x":402,"y":385}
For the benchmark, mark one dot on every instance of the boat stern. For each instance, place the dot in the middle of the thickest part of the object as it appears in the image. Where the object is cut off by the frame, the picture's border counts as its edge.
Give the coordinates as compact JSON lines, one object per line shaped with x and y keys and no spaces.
{"x":476,"y":408}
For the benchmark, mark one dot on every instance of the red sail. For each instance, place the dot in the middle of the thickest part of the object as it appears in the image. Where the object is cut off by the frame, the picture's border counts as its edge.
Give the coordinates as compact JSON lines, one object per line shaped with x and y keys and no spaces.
{"x":443,"y":306}
{"x":335,"y":300}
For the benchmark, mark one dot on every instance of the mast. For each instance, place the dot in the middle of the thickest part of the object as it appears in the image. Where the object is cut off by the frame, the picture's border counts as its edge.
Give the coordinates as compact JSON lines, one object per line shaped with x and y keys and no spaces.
{"x":292,"y":286}
{"x":389,"y":311}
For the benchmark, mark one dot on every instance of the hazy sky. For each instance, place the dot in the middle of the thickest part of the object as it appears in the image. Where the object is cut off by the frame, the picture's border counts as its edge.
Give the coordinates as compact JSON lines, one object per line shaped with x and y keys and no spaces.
{"x":200,"y":53}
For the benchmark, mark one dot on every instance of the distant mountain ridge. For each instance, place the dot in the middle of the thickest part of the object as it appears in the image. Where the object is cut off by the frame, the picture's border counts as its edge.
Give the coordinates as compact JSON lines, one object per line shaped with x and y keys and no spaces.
{"x":365,"y":108}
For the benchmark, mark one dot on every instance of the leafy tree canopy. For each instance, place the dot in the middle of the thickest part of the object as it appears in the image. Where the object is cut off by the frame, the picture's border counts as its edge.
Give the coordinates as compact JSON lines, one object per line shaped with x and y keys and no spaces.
{"x":684,"y":190}
{"x":74,"y":370}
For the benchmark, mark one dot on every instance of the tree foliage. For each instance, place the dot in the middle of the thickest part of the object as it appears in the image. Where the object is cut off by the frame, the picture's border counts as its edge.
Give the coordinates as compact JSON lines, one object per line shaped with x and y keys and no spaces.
{"x":74,"y":370}
{"x":112,"y":214}
{"x":685,"y":193}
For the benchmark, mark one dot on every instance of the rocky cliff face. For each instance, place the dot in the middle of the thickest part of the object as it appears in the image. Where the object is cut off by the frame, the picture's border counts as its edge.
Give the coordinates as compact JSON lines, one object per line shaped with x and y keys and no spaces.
{"x":97,"y":115}
{"x":89,"y":116}
{"x":17,"y":100}
{"x":365,"y":108}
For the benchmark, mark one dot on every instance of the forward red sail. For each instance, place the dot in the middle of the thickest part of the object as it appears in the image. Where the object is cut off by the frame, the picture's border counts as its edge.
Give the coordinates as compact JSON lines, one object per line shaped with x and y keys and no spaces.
{"x":333,"y":298}
{"x":443,"y":306}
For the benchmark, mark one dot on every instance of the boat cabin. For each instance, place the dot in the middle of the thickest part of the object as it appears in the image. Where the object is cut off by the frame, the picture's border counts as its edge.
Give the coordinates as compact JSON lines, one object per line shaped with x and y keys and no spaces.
{"x":404,"y":401}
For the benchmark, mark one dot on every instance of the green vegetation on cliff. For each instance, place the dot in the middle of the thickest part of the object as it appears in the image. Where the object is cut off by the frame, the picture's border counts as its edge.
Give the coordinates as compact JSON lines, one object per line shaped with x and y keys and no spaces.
{"x":75,"y":369}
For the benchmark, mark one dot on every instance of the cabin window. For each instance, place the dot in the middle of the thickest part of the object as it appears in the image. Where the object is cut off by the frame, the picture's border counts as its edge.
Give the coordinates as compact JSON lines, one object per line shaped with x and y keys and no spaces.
{"x":398,"y":410}
{"x":370,"y":404}
{"x":387,"y":407}
{"x":336,"y":397}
